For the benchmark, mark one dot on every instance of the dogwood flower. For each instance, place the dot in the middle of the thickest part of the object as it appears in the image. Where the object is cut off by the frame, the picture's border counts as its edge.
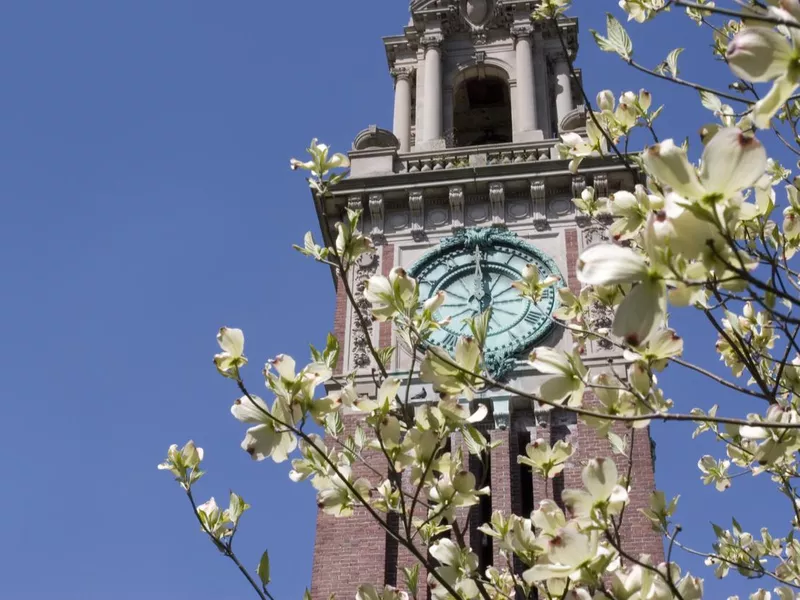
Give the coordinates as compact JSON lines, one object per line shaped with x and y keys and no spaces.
{"x":370,"y":592}
{"x":643,"y":308}
{"x":451,"y":380}
{"x":603,"y":495}
{"x":567,"y":382}
{"x":231,"y":341}
{"x":268,"y":438}
{"x":458,"y":565}
{"x":320,"y":163}
{"x":531,"y":286}
{"x":184,"y":463}
{"x":732,"y":161}
{"x":761,"y":54}
{"x":567,"y":551}
{"x":545,"y":460}
{"x":388,"y":296}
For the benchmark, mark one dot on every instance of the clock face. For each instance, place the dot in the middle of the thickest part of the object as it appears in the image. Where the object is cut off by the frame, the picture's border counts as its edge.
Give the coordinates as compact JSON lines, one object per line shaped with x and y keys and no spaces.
{"x":475,"y":269}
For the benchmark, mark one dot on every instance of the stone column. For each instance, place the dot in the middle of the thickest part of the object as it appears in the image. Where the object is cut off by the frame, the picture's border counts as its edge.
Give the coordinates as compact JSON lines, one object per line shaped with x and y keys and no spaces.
{"x":432,"y":123}
{"x":402,"y":108}
{"x":526,"y":92}
{"x":564,"y":101}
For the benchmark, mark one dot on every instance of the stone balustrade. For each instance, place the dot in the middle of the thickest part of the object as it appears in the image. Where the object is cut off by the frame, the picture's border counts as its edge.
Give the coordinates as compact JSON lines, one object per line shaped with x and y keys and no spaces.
{"x":476,"y":156}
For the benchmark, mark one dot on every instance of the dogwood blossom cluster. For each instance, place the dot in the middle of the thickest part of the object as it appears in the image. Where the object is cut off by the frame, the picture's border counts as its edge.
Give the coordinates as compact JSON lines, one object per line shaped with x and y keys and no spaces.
{"x":710,"y":226}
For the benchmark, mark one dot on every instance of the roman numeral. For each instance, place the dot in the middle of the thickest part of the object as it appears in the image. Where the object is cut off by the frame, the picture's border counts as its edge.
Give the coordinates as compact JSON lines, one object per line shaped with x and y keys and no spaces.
{"x":450,"y":340}
{"x":532,"y":319}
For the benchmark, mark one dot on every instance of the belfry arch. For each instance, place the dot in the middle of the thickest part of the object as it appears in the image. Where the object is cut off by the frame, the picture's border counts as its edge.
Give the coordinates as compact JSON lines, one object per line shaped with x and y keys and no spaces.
{"x":482,"y":112}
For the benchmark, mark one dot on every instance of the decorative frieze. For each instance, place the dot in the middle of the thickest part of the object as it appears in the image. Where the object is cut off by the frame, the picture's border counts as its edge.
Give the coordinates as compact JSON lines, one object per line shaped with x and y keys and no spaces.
{"x":376,"y":213}
{"x":497,"y":199}
{"x":416,"y":204}
{"x":366,"y":267}
{"x":456,"y":195}
{"x":539,"y":201}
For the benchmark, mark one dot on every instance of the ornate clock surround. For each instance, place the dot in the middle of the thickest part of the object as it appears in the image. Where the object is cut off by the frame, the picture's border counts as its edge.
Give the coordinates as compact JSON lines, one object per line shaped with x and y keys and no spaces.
{"x":501,"y":360}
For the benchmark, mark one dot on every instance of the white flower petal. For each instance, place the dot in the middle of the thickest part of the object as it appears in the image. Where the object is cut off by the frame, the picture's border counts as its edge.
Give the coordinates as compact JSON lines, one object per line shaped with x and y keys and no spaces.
{"x":759,"y":54}
{"x":732,"y":161}
{"x":244,"y":410}
{"x":668,"y":163}
{"x":764,"y":109}
{"x":641,"y":313}
{"x":607,"y":264}
{"x":231,"y":341}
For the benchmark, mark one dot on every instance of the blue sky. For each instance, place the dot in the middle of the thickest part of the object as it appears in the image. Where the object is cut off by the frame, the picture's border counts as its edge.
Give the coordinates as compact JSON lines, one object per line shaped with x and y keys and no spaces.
{"x":146,"y":200}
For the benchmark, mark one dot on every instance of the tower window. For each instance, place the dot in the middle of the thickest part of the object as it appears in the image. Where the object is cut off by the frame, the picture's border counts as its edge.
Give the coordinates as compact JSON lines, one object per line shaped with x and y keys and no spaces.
{"x":482,"y":112}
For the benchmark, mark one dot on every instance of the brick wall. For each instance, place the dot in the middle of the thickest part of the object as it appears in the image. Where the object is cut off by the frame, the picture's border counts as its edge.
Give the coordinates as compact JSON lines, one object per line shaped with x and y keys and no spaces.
{"x":571,"y":240}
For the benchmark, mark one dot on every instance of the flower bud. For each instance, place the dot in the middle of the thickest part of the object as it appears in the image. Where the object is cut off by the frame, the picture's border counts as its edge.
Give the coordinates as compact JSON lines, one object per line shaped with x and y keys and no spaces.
{"x":628,"y":98}
{"x":434,"y":302}
{"x":605,"y":100}
{"x":758,"y":54}
{"x":530,"y":272}
{"x":587,"y":195}
{"x":645,"y":99}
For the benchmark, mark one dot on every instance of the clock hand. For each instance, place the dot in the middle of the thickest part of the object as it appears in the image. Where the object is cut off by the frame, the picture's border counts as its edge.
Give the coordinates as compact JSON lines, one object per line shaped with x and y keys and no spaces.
{"x":477,"y":283}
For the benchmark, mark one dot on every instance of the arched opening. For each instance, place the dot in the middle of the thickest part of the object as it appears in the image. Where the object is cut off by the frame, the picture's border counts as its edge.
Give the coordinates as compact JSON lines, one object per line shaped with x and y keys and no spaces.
{"x":482,"y":111}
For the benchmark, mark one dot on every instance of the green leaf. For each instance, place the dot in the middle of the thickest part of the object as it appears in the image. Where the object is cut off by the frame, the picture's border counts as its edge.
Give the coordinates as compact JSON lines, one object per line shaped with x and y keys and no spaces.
{"x":474,"y":440}
{"x":307,"y":595}
{"x":618,"y":443}
{"x":618,"y":40}
{"x":672,"y":61}
{"x":333,"y":424}
{"x":411,"y":578}
{"x":385,"y":356}
{"x":263,"y":569}
{"x":331,"y":353}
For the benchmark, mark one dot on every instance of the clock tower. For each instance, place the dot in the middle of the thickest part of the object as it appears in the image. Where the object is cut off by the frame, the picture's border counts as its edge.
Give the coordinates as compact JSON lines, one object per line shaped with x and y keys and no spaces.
{"x":464,"y":191}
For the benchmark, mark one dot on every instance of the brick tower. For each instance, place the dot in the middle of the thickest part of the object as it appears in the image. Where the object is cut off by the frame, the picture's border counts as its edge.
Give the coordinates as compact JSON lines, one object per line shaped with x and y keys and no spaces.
{"x":482,"y":94}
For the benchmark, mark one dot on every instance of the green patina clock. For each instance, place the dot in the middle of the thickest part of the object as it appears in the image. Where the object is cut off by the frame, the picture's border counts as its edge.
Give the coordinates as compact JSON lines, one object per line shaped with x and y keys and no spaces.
{"x":475,"y":268}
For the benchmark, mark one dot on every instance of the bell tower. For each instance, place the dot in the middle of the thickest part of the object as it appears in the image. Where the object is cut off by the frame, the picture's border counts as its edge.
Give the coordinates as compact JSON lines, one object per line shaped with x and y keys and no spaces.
{"x":470,"y":173}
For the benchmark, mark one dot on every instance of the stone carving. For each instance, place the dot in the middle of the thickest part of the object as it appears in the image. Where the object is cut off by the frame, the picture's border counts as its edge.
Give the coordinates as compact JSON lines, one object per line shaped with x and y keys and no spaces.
{"x":456,"y":194}
{"x":601,"y":318}
{"x":594,"y":234}
{"x":477,"y":12}
{"x":521,"y":30}
{"x":497,"y":198}
{"x":578,"y":185}
{"x":366,"y":266}
{"x":600,"y":184}
{"x":377,"y":216}
{"x":432,"y":40}
{"x":539,"y":199}
{"x":416,"y":203}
